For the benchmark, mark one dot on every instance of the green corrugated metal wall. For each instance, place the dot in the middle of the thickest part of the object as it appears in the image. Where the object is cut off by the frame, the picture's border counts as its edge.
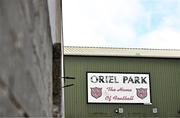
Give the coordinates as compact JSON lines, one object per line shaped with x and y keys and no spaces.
{"x":165,"y":86}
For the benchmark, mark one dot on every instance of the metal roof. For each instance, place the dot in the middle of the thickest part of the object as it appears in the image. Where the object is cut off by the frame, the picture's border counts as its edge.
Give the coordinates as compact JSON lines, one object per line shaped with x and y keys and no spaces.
{"x":124,"y":52}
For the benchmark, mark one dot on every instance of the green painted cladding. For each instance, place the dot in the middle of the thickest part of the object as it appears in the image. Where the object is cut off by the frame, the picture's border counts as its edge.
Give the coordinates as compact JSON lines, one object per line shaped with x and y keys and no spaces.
{"x":165,"y":86}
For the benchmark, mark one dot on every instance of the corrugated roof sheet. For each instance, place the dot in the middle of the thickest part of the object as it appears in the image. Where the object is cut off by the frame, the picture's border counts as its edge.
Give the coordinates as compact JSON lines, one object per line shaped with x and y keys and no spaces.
{"x":127,"y":52}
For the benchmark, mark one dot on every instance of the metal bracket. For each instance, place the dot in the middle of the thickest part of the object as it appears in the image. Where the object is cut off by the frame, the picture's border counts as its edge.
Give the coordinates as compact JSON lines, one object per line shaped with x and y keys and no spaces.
{"x":68,"y":77}
{"x":69,"y":85}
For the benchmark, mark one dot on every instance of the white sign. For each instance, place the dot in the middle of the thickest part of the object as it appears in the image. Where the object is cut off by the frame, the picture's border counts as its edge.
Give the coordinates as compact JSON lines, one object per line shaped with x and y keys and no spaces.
{"x":118,"y":88}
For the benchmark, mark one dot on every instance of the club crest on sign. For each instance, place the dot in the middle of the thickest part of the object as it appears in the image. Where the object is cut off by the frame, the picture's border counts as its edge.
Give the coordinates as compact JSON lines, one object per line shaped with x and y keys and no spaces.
{"x":141,"y":92}
{"x":96,"y":92}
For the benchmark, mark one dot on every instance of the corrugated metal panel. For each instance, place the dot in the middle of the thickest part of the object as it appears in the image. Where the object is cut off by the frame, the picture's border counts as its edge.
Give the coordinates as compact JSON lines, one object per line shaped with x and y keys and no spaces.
{"x":165,"y":79}
{"x":135,"y":52}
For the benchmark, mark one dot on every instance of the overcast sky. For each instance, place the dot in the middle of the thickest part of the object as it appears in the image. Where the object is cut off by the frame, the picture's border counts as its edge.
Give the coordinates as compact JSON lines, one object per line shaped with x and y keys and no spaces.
{"x":122,"y":23}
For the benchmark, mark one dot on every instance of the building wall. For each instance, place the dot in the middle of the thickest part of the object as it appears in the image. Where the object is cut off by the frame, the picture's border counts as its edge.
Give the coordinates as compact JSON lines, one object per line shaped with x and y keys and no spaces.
{"x":165,"y":79}
{"x":25,"y":59}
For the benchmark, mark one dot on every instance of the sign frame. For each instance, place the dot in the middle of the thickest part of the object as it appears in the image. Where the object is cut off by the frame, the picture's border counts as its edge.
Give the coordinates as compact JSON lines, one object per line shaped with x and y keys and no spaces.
{"x":150,"y":94}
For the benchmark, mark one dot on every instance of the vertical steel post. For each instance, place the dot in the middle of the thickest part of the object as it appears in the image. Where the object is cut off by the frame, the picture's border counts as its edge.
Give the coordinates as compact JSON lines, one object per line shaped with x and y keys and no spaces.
{"x":59,"y":38}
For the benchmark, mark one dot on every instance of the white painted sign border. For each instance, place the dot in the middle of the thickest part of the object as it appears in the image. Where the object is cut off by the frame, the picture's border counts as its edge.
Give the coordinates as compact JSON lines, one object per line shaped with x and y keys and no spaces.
{"x":108,"y":87}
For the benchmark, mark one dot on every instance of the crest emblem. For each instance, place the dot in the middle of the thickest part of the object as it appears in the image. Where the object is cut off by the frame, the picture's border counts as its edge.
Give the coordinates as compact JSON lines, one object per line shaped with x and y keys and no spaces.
{"x":141,"y":92}
{"x":96,"y":92}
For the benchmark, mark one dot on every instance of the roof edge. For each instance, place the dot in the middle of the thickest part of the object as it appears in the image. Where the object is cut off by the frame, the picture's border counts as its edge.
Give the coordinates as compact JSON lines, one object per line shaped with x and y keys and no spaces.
{"x":120,"y":48}
{"x":121,"y":52}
